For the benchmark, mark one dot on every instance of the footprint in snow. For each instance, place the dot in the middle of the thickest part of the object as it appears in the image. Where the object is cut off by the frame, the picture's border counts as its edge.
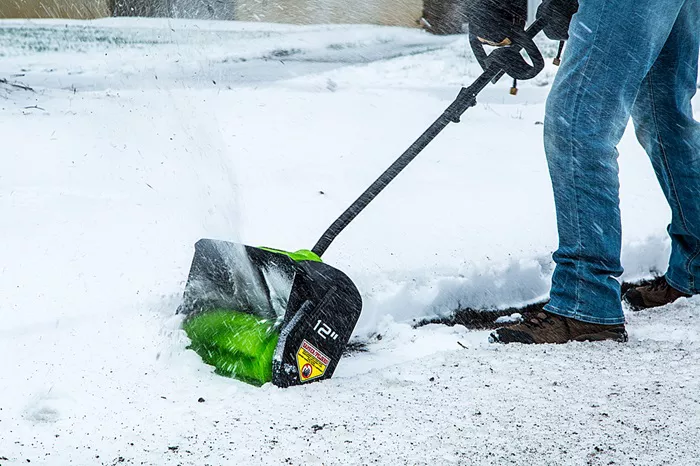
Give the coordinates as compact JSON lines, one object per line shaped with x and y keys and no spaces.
{"x":45,"y":407}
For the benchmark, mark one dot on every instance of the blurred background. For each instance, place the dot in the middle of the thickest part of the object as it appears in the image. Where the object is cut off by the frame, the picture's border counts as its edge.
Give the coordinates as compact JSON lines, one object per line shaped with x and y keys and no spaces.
{"x":437,"y":16}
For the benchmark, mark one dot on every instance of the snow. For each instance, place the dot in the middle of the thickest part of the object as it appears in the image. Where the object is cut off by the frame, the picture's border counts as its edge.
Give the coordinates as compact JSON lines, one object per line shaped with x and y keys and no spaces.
{"x":142,"y":136}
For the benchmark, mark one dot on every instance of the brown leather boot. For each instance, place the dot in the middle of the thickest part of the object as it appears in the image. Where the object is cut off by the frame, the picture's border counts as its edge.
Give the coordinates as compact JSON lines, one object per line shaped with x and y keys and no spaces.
{"x":655,"y":294}
{"x":544,"y":327}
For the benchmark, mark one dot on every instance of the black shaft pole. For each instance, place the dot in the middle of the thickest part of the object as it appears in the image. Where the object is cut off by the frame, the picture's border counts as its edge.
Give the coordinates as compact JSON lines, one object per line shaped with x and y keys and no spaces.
{"x":465,"y":100}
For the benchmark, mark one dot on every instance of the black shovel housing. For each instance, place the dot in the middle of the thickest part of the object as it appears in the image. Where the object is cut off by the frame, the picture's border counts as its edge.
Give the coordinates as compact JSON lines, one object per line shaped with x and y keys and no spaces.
{"x":315,"y":305}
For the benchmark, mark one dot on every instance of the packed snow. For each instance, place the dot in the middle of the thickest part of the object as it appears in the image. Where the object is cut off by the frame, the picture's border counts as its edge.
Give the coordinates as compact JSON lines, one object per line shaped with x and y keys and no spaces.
{"x":124,"y":141}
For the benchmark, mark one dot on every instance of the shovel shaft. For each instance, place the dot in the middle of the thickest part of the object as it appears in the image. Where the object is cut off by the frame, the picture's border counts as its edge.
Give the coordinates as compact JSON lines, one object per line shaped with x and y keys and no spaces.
{"x":465,"y":100}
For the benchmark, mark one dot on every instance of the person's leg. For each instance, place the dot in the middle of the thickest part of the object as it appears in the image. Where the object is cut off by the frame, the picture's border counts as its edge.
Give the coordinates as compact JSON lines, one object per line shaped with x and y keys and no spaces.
{"x":666,"y":128}
{"x":612,"y":47}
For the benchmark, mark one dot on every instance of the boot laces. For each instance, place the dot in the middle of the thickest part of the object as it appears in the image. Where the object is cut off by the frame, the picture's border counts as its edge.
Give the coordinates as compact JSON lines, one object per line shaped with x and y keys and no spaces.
{"x":660,"y":284}
{"x":537,"y":319}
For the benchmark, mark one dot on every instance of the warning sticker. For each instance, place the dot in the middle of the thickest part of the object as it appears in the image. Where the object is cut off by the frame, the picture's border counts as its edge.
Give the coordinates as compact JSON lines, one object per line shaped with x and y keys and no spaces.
{"x":311,"y":362}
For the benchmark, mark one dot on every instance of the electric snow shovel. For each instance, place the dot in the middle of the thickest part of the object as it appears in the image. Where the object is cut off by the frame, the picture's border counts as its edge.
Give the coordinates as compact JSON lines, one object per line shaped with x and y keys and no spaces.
{"x":260,"y":314}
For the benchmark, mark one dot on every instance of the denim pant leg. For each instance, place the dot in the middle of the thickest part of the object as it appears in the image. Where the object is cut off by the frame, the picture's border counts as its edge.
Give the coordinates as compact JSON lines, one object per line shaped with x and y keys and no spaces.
{"x":612,"y":47}
{"x":666,"y":128}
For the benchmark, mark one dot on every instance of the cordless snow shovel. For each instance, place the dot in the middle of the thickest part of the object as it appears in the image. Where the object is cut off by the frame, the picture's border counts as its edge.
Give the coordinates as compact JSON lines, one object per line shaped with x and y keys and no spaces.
{"x":260,"y":314}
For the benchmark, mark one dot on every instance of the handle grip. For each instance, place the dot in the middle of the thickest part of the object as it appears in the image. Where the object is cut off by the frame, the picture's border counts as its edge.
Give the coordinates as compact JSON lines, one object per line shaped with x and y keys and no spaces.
{"x":509,"y":59}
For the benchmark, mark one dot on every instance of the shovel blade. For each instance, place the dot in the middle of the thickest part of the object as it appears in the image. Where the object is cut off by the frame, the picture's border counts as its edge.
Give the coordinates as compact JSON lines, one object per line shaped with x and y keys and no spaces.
{"x":241,"y":278}
{"x":314,"y":306}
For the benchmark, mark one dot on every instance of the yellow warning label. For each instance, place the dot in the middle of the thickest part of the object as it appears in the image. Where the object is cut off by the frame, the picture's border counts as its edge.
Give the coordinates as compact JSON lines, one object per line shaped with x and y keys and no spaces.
{"x":311,"y":362}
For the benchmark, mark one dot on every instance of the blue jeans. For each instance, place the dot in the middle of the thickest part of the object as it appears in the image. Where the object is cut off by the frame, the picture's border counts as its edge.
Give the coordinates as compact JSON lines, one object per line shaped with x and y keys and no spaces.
{"x":624,"y":58}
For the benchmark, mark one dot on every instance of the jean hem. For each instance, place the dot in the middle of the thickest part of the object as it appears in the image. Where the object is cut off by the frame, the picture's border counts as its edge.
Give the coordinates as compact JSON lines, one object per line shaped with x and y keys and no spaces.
{"x":674,"y":284}
{"x":585,"y":318}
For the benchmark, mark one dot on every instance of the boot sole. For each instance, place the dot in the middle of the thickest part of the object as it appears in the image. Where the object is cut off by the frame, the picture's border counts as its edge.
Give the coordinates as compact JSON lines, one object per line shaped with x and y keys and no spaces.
{"x":616,"y":336}
{"x":620,"y":337}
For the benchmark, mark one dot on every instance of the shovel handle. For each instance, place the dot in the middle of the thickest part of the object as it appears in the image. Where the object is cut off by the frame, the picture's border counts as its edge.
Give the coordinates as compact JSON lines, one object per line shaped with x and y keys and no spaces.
{"x":465,"y":100}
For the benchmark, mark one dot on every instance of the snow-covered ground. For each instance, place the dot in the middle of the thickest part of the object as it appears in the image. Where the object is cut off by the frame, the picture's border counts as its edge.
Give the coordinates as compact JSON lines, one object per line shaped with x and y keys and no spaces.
{"x":141,"y":136}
